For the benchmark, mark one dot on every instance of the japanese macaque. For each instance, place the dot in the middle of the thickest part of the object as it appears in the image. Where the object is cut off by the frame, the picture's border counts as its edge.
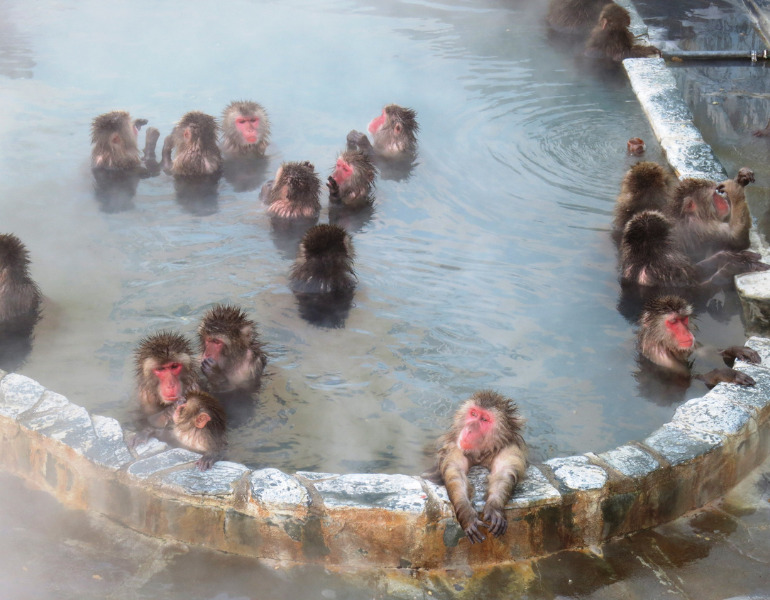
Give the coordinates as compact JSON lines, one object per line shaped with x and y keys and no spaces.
{"x":485,"y":431}
{"x":394,"y":134}
{"x":353,"y":179}
{"x":664,"y":338}
{"x":710,"y":217}
{"x":199,"y":424}
{"x":294,"y":193}
{"x":194,"y":143}
{"x":114,"y":138}
{"x":651,"y":257}
{"x":645,"y":186}
{"x":574,"y":16}
{"x":245,"y":130}
{"x":611,"y":39}
{"x":19,"y":295}
{"x":635,"y":146}
{"x":164,"y":372}
{"x":322,"y":277}
{"x":231,"y":354}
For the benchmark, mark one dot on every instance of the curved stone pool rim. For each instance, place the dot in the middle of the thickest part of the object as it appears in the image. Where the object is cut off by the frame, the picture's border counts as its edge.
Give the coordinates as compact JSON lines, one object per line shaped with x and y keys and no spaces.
{"x":403,"y":521}
{"x":379,"y":520}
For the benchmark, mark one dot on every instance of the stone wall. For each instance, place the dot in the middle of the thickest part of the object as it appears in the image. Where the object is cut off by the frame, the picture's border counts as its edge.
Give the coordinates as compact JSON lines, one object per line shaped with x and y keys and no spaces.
{"x":385,"y":520}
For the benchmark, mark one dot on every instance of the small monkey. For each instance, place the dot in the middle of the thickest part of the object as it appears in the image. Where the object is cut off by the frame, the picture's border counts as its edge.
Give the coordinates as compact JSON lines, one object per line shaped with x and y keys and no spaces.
{"x":199,"y":424}
{"x":231,"y":354}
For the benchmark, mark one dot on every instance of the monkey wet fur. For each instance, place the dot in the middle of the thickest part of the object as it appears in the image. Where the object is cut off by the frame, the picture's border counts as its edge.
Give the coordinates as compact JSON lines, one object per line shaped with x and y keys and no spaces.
{"x":485,"y":431}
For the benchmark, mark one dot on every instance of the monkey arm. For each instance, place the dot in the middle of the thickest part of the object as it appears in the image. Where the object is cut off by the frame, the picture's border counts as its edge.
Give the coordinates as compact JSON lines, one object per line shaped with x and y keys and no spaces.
{"x":740,"y":221}
{"x":454,"y":469}
{"x":741,"y":352}
{"x":358,"y":141}
{"x":725,"y":375}
{"x":506,"y":470}
{"x":168,"y":145}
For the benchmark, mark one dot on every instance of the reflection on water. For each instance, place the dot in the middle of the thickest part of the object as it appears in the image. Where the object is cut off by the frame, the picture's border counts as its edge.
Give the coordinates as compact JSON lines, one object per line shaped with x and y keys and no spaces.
{"x":489,"y":266}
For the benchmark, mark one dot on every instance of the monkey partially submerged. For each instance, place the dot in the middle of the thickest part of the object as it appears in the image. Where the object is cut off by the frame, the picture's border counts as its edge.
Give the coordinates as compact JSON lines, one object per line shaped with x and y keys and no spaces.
{"x":352,"y":181}
{"x":193,"y":144}
{"x":294,"y":193}
{"x":164,"y":371}
{"x":665,"y":339}
{"x":394,"y":141}
{"x":611,"y":39}
{"x":231,"y":354}
{"x":646,"y":186}
{"x":114,"y":139}
{"x":245,"y":130}
{"x":486,"y":431}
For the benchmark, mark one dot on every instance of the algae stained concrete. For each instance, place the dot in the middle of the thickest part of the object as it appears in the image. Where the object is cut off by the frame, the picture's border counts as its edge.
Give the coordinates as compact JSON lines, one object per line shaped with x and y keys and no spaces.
{"x":720,"y":551}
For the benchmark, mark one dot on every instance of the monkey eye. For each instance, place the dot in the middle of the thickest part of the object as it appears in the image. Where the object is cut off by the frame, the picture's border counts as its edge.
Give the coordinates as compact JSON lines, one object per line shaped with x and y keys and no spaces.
{"x":474,"y":413}
{"x":484,"y":418}
{"x":721,"y":188}
{"x":686,"y":320}
{"x":216,"y":341}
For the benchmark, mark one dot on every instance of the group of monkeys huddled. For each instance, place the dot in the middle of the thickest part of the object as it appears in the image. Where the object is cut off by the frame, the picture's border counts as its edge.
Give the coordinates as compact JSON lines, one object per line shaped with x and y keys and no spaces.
{"x":681,"y":240}
{"x":676,"y":240}
{"x":177,"y":387}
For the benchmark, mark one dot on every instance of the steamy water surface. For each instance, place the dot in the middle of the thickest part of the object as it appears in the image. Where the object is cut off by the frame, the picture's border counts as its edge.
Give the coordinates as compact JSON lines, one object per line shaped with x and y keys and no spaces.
{"x":489,"y":267}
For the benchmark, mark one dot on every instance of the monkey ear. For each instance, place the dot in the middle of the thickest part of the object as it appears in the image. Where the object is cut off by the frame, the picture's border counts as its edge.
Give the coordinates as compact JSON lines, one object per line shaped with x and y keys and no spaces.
{"x":397,"y":128}
{"x":689,"y":206}
{"x":246,"y":331}
{"x":202,"y":419}
{"x":603,"y":23}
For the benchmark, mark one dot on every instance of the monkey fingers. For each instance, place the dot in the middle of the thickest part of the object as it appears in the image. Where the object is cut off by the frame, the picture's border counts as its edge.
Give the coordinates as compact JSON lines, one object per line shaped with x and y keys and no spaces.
{"x":498,"y":524}
{"x":139,"y":123}
{"x":473,"y":533}
{"x":205,"y":462}
{"x":725,"y":375}
{"x":334,"y":188}
{"x":743,"y":353}
{"x":140,"y":438}
{"x":358,"y":141}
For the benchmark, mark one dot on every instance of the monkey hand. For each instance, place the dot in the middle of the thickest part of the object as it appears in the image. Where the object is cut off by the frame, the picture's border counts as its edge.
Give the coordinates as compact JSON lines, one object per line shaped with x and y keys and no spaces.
{"x":334,"y":188}
{"x":743,"y":353}
{"x":151,"y":140}
{"x":762,"y":132}
{"x":358,"y":141}
{"x":205,"y":462}
{"x":139,"y":123}
{"x":473,"y":533}
{"x":208,"y":366}
{"x":140,"y":438}
{"x":497,"y":523}
{"x":725,"y":375}
{"x":745,"y":176}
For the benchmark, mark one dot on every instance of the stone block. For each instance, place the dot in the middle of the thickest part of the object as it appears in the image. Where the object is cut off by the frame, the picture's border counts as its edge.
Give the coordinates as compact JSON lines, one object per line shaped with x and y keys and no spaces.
{"x":216,"y":481}
{"x":759,"y":344}
{"x":70,"y":424}
{"x":18,"y":394}
{"x":274,"y":489}
{"x":713,"y":413}
{"x":147,"y":467}
{"x":754,"y":291}
{"x":534,"y":489}
{"x":631,"y":461}
{"x":108,"y":447}
{"x":386,"y":492}
{"x":755,"y":398}
{"x":678,"y":445}
{"x":576,"y":473}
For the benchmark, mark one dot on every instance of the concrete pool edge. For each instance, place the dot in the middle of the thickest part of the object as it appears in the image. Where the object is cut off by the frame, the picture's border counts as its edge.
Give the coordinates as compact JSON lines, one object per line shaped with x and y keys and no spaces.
{"x":403,"y":521}
{"x":397,"y":521}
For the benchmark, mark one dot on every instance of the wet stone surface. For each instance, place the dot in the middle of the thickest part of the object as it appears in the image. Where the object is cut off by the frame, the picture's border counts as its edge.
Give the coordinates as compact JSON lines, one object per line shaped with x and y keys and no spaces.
{"x":18,"y":394}
{"x":274,"y":488}
{"x":217,"y":481}
{"x":576,"y":473}
{"x":631,"y":461}
{"x":679,"y":445}
{"x":388,"y":492}
{"x":534,"y":489}
{"x":147,"y":467}
{"x":712,"y":414}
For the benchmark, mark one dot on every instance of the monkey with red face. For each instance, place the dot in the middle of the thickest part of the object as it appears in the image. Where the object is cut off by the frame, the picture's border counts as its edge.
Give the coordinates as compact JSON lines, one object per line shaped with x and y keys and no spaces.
{"x":665,"y":339}
{"x":485,"y":431}
{"x":352,"y":181}
{"x":245,"y":130}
